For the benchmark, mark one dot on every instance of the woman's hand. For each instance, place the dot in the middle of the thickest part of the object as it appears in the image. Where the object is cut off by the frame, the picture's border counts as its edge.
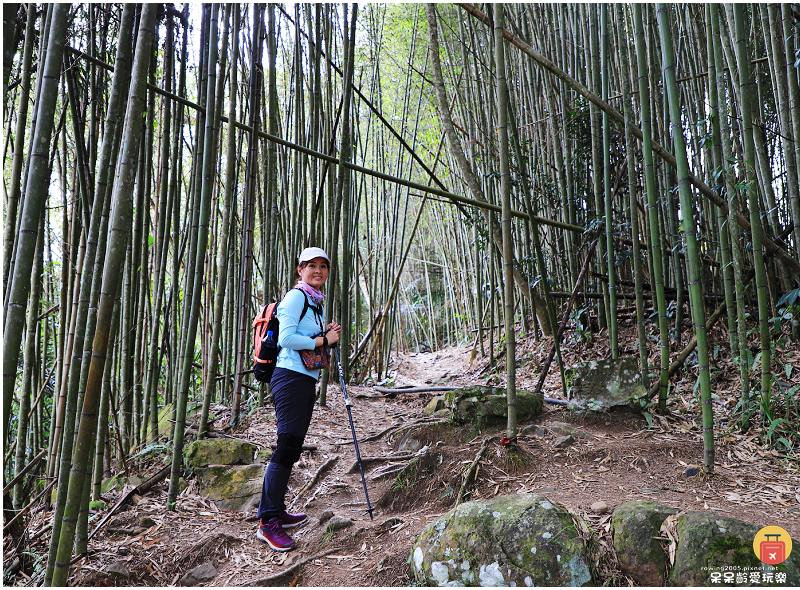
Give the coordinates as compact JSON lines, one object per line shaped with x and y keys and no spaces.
{"x":333,"y":332}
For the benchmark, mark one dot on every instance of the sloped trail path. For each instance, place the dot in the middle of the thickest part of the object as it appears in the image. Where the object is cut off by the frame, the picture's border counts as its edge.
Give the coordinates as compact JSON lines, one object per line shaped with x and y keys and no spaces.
{"x":616,"y":459}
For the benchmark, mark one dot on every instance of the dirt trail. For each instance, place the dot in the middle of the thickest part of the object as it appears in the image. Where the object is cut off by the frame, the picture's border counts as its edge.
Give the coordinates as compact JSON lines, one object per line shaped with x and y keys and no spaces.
{"x":617,"y":460}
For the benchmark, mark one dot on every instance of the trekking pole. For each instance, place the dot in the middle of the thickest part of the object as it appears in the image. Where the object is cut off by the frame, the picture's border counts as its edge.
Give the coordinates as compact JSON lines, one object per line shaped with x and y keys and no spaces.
{"x":352,"y":428}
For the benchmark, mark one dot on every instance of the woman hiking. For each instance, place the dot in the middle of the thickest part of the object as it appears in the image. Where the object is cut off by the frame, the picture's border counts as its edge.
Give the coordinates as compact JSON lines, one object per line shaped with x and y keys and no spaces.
{"x":293,"y":391}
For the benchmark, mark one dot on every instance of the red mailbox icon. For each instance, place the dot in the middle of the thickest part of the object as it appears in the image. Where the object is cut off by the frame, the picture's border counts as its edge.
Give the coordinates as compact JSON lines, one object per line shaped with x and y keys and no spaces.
{"x":773,"y":552}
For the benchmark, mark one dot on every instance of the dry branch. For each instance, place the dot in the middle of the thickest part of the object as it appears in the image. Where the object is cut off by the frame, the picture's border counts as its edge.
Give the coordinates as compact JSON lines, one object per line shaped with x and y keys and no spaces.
{"x":140,"y":489}
{"x":29,"y":506}
{"x":289,"y":570}
{"x":678,"y":362}
{"x":469,"y":476}
{"x":26,"y":469}
{"x":564,"y":318}
{"x":365,"y":460}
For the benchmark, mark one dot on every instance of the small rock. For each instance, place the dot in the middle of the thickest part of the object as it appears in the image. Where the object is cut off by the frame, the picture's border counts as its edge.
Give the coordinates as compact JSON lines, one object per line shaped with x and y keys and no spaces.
{"x":119,"y":568}
{"x":147,"y":522}
{"x":390,"y":522}
{"x":599,"y":507}
{"x":325,"y":516}
{"x":123,"y":551}
{"x":484,"y":406}
{"x":533,"y":430}
{"x":691,"y":471}
{"x":564,"y":429}
{"x":115,"y":522}
{"x":339,"y":522}
{"x":562,"y":442}
{"x":202,"y":573}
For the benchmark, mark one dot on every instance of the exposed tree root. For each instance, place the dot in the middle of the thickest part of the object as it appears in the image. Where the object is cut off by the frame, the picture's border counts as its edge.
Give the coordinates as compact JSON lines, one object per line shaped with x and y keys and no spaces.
{"x":472,"y":472}
{"x":323,"y":468}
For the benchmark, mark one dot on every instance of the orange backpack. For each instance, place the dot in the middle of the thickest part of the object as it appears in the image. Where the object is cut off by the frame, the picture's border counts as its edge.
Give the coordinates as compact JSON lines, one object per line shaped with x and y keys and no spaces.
{"x":265,"y":340}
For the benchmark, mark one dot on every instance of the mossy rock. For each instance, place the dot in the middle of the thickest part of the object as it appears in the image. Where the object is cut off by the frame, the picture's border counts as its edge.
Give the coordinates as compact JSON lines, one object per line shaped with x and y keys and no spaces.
{"x":435,"y":405}
{"x":711,"y":543}
{"x":605,"y":384}
{"x":218,"y":451}
{"x":514,"y":540}
{"x":113,"y":483}
{"x":232,"y":487}
{"x":633,"y":526}
{"x":116,"y":482}
{"x":487,"y":406}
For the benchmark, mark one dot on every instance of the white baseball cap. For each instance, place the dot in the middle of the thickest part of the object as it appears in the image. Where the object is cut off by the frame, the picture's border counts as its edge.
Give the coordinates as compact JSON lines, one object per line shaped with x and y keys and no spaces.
{"x":311,"y":254}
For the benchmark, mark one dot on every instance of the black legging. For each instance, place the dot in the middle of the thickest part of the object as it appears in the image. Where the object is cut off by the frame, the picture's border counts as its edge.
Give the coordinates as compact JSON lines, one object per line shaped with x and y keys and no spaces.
{"x":293,"y":395}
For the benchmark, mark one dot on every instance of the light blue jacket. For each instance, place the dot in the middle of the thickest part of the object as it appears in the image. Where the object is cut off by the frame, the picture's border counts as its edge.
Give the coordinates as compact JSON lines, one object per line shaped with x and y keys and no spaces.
{"x":296,"y":336}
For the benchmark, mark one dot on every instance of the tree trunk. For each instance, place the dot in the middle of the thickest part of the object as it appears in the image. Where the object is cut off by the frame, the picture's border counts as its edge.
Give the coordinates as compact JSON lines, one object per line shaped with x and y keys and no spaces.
{"x":689,"y":236}
{"x":209,"y":163}
{"x":33,"y":207}
{"x":119,"y":231}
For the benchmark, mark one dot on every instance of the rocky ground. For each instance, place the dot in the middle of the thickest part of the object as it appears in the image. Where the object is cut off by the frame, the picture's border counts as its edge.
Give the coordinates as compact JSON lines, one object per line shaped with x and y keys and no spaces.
{"x":612,"y":458}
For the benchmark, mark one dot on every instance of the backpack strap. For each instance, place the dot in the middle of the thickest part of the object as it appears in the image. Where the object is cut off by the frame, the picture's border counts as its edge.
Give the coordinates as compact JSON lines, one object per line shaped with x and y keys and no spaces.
{"x":306,"y":306}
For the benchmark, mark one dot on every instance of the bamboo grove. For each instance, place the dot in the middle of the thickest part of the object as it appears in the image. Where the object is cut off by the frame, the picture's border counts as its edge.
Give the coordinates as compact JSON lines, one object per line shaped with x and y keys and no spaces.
{"x":467,"y":167}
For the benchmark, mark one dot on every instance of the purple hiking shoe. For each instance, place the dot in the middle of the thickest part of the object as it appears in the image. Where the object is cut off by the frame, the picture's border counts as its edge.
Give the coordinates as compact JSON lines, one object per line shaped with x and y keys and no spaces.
{"x":272,"y":533}
{"x":289,"y":520}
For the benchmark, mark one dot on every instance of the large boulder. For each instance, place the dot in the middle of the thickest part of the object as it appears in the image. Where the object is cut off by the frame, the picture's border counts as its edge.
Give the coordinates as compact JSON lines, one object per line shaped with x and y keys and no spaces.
{"x":604,"y":384}
{"x":232,"y":487}
{"x":487,"y":406}
{"x":712,"y":543}
{"x":515,"y":540}
{"x":633,"y":526}
{"x":218,"y":451}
